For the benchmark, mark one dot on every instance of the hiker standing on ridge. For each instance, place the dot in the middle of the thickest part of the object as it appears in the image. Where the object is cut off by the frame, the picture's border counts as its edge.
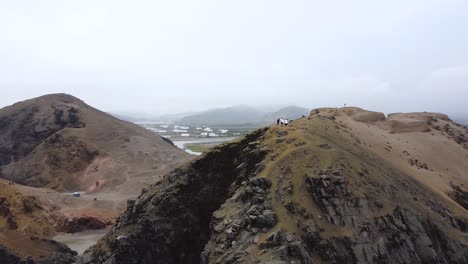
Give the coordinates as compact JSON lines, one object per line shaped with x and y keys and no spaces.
{"x":277,"y":121}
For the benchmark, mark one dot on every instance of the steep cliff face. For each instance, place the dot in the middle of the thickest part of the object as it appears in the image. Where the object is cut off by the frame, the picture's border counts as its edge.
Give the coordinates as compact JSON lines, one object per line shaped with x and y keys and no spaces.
{"x":340,"y":186}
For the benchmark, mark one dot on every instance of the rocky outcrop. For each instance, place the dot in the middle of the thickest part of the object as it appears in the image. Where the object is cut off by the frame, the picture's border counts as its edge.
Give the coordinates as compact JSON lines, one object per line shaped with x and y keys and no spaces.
{"x":399,"y":237}
{"x":454,"y":131}
{"x":333,"y":197}
{"x":61,"y":254}
{"x":237,"y":229}
{"x":58,"y":254}
{"x":460,"y":196}
{"x":78,"y":223}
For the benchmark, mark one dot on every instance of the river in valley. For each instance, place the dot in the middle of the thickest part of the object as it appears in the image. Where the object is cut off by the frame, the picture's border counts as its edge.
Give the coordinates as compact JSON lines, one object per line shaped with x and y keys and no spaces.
{"x":184,"y":143}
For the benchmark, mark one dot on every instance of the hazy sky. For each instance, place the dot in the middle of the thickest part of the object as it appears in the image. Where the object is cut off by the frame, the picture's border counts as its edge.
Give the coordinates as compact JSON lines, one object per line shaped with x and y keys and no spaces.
{"x":174,"y":56}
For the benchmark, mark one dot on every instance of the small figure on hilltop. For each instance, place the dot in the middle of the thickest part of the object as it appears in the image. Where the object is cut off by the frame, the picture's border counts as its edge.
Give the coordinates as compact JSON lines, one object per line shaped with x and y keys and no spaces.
{"x":277,"y":122}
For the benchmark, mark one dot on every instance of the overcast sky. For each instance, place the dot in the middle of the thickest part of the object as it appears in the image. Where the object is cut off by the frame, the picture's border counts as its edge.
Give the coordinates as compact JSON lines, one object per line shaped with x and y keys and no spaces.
{"x":175,"y":56}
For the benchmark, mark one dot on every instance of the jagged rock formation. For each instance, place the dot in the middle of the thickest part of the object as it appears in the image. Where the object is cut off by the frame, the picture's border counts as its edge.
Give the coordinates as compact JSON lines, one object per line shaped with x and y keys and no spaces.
{"x":336,"y":187}
{"x":182,"y":206}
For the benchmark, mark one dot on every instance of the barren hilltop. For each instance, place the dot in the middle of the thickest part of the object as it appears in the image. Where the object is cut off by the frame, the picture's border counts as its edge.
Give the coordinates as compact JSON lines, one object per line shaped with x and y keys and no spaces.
{"x":56,"y":144}
{"x":59,"y":142}
{"x":339,"y":186}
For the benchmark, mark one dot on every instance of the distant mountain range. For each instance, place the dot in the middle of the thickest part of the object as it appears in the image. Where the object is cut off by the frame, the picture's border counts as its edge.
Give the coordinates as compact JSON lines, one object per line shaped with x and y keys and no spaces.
{"x":144,"y":117}
{"x":240,"y":114}
{"x":289,"y":112}
{"x":233,"y":115}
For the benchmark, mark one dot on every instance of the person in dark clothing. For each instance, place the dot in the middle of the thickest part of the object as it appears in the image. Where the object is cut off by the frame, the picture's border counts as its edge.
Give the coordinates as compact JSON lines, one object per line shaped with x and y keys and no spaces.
{"x":277,"y":121}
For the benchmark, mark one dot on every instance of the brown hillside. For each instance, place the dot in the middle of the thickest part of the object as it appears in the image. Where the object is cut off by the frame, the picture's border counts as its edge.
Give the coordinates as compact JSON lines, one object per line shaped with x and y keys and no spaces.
{"x":56,"y":144}
{"x":340,"y":186}
{"x":24,"y":221}
{"x":58,"y":141}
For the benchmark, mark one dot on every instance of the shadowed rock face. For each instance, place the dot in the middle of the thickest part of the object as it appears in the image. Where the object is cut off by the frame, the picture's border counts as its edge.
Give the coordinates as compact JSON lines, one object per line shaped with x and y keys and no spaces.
{"x":178,"y":211}
{"x":6,"y":256}
{"x":398,"y":237}
{"x":61,"y":254}
{"x":23,"y":129}
{"x":75,"y":224}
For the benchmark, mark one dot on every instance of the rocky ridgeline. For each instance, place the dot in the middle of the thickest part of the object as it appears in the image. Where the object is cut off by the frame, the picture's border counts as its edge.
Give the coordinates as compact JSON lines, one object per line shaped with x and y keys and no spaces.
{"x":279,"y":196}
{"x":233,"y":231}
{"x":341,"y":208}
{"x":170,"y":222}
{"x":402,"y":236}
{"x":399,"y":237}
{"x":455,"y":131}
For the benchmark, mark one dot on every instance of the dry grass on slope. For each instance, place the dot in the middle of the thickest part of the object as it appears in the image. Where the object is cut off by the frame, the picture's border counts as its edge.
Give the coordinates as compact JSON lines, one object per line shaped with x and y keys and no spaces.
{"x":345,"y":146}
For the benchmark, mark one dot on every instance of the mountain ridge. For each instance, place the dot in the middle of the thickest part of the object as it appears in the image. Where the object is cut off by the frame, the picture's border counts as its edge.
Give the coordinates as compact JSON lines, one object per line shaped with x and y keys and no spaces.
{"x":243,"y":115}
{"x":339,"y":186}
